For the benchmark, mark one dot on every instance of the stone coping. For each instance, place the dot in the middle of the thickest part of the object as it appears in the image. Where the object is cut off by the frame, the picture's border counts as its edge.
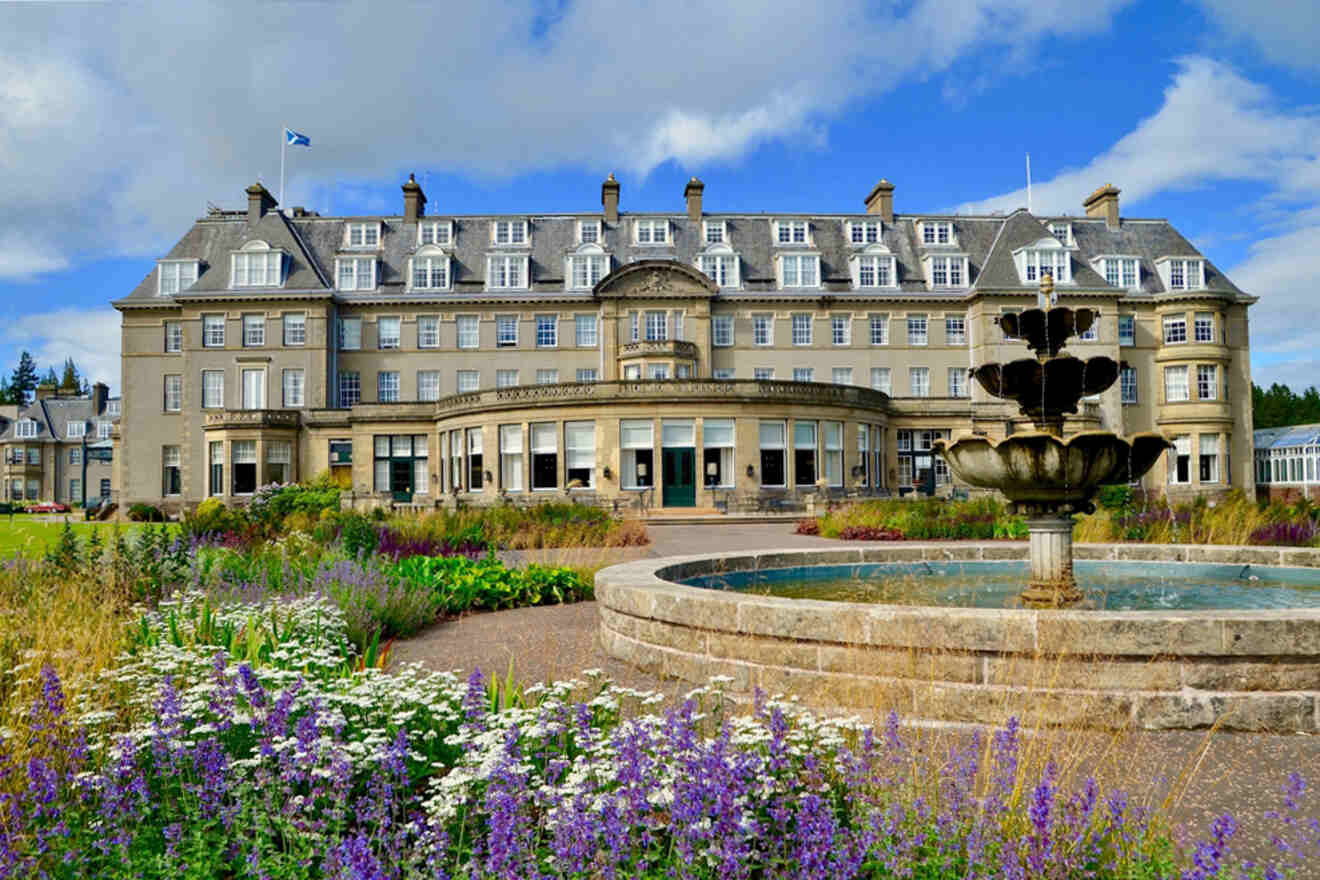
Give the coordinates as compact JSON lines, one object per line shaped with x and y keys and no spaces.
{"x":1244,"y":669}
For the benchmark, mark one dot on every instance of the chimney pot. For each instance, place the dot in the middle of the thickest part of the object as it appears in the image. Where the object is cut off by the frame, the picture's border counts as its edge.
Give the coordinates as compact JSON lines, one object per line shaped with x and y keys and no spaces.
{"x":100,"y":392}
{"x":881,"y":201}
{"x":1103,"y":203}
{"x":260,"y":201}
{"x":692,"y":194}
{"x":414,"y":200}
{"x":609,"y":198}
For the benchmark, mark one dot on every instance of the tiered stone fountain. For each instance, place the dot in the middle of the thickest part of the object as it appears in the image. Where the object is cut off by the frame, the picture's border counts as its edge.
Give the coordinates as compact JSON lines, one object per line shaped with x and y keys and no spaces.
{"x":1043,"y":474}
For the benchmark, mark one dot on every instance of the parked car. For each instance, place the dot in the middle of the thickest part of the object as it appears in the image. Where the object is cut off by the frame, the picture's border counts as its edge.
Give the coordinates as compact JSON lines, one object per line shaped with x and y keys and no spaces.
{"x":48,"y":507}
{"x":93,"y":507}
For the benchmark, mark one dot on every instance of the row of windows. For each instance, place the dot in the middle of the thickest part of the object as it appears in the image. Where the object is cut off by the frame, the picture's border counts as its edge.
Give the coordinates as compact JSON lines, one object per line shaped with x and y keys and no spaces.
{"x":1203,"y":328}
{"x":389,"y":332}
{"x":293,"y":388}
{"x":243,"y":466}
{"x":1291,"y":464}
{"x":27,"y":429}
{"x":1212,"y":459}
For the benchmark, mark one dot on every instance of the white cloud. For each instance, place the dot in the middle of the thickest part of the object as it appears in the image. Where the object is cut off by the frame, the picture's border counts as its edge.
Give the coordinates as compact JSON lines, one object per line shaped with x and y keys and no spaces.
{"x":90,"y":336}
{"x":1285,"y":31}
{"x":131,"y":116}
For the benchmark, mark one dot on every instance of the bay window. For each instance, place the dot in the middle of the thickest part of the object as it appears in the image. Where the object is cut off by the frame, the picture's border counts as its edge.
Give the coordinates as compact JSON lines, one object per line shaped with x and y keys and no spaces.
{"x":637,"y":448}
{"x":511,"y":458}
{"x":804,"y":453}
{"x":545,"y":455}
{"x":580,"y":453}
{"x":717,"y":453}
{"x":773,"y":470}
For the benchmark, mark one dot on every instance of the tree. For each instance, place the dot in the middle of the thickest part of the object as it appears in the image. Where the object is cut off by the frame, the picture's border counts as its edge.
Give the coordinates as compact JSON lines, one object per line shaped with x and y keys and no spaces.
{"x":50,"y":378}
{"x":24,"y":379}
{"x":6,"y":393}
{"x":70,"y":382}
{"x":1280,"y":406}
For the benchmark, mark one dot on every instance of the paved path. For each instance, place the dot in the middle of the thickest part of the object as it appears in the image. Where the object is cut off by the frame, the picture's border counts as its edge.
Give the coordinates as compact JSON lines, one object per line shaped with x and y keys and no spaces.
{"x":1216,"y":772}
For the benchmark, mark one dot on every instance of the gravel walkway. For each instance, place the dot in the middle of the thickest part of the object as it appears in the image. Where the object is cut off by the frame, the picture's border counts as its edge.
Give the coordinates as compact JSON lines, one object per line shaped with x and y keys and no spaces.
{"x":1242,"y":774}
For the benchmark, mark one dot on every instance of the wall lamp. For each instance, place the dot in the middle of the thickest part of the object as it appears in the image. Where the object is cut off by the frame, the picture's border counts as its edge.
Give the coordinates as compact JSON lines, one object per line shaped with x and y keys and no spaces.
{"x":606,"y":473}
{"x":751,"y":471}
{"x":489,"y":477}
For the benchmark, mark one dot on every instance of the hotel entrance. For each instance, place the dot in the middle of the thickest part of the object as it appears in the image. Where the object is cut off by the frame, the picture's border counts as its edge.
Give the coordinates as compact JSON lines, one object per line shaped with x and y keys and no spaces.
{"x":678,"y":464}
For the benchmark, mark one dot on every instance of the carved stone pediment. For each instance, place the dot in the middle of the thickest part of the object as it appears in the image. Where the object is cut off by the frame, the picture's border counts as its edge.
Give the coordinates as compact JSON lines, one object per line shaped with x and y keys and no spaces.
{"x":656,"y":279}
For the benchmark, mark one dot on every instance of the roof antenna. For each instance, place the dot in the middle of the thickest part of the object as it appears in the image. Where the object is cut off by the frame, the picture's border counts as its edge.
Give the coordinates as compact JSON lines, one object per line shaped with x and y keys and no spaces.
{"x":1029,"y":183}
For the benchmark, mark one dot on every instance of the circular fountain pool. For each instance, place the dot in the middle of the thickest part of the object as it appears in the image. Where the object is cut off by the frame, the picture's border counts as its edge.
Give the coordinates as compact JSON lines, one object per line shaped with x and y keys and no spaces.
{"x":1249,"y":662}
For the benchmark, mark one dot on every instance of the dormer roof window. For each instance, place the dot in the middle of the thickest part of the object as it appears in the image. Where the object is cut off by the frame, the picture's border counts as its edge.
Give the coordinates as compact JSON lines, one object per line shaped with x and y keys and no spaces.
{"x":1063,"y":232}
{"x":506,"y":272}
{"x":588,"y":232}
{"x":439,"y":232}
{"x":1046,"y":255}
{"x":873,"y":267}
{"x":75,"y":429}
{"x":362,"y":234}
{"x":651,"y":231}
{"x":25,"y":429}
{"x":1181,"y":273}
{"x":720,"y":264}
{"x":355,"y":273}
{"x":799,"y":270}
{"x":428,"y":269}
{"x":792,"y":232}
{"x":257,"y":265}
{"x":863,"y":232}
{"x":946,"y":270}
{"x":173,"y":276}
{"x":584,"y":269}
{"x":1119,"y":270}
{"x":508,"y":233}
{"x":937,"y":232}
{"x":714,"y":232}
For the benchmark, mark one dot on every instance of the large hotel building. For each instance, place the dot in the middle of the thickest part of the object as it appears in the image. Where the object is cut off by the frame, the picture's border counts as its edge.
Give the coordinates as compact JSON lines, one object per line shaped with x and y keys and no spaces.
{"x":690,"y":358}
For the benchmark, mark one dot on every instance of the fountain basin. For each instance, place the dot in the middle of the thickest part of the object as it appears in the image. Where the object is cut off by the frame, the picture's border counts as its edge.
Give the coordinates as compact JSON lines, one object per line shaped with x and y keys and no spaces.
{"x":1253,"y":670}
{"x":1049,"y":388}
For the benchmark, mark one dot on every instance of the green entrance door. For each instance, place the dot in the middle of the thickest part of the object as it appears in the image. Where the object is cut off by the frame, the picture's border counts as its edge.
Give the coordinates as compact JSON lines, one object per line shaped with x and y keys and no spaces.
{"x":680,"y":472}
{"x":401,"y":477}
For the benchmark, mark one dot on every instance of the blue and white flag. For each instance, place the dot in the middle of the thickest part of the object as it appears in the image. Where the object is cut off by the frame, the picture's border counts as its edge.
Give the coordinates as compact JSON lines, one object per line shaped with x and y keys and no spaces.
{"x":293,"y":139}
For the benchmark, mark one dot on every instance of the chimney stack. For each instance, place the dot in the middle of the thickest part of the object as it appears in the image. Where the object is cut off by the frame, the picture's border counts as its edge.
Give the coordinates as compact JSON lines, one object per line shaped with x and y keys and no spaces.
{"x":1103,"y":203}
{"x":692,"y":194}
{"x":259,"y":202}
{"x":100,"y":392}
{"x":45,"y":390}
{"x":609,"y":197}
{"x":414,"y":200}
{"x":881,"y":201}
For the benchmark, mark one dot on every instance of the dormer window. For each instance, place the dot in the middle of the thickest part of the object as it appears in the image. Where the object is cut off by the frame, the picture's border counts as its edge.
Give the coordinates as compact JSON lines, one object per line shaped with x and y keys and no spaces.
{"x":356,"y":273}
{"x":799,"y":270}
{"x":713,"y":232}
{"x":428,"y":269}
{"x":1119,"y":271}
{"x":588,"y":232}
{"x":362,"y":235}
{"x":1063,"y":232}
{"x":864,"y":232}
{"x":791,"y":232}
{"x":1181,"y":273}
{"x":257,"y":265}
{"x":25,"y":429}
{"x":937,"y":232}
{"x":112,"y":408}
{"x":175,"y":275}
{"x":1047,"y":255}
{"x":506,"y":272}
{"x":439,"y":232}
{"x":946,"y":270}
{"x":74,"y":430}
{"x":720,"y":265}
{"x":651,"y":231}
{"x":508,"y":232}
{"x":873,"y":269}
{"x":584,"y":269}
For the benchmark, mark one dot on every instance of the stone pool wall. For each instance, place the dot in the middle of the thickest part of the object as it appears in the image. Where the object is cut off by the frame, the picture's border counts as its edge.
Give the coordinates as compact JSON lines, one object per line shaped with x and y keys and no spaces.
{"x":1241,"y":670}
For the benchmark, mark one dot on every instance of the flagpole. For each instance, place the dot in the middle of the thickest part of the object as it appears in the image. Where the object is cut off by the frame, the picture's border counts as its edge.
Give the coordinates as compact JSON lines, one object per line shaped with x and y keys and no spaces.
{"x":284,"y":143}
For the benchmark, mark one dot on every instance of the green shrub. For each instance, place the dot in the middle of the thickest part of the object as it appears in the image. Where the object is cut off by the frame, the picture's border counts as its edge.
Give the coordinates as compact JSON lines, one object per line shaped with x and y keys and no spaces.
{"x":358,"y":534}
{"x":212,"y":518}
{"x":463,"y":584}
{"x":141,"y":512}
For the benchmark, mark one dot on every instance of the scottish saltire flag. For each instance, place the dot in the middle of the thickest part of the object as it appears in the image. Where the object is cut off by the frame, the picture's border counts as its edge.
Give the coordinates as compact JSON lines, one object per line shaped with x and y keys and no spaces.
{"x":293,"y":139}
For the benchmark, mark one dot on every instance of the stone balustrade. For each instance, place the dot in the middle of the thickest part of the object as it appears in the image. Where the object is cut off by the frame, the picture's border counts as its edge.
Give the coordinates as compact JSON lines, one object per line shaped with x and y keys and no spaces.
{"x":658,"y":348}
{"x":252,"y":418}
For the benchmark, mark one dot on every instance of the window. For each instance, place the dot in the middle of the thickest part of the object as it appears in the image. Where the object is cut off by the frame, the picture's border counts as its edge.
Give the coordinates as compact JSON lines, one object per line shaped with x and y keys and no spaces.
{"x":588,"y":231}
{"x":506,"y":331}
{"x":509,"y":232}
{"x":402,"y":464}
{"x":350,"y":388}
{"x":632,"y":372}
{"x":762,"y":329}
{"x":773,"y":470}
{"x":936,"y":232}
{"x":955,"y":330}
{"x":362,"y":234}
{"x":171,"y":482}
{"x":841,"y":330}
{"x":712,"y":231}
{"x":545,"y":455}
{"x":1175,"y":384}
{"x":684,"y":371}
{"x":763,"y":374}
{"x":1127,"y":330}
{"x":957,"y":381}
{"x":503,"y":273}
{"x":875,"y":271}
{"x":506,"y":378}
{"x":254,"y":331}
{"x":173,"y":393}
{"x":469,"y":331}
{"x":356,"y":273}
{"x":841,"y":375}
{"x":175,"y":275}
{"x":636,"y":445}
{"x":428,"y":384}
{"x":1180,"y":459}
{"x":428,"y":331}
{"x":25,"y":428}
{"x":720,"y":268}
{"x":804,"y":453}
{"x":74,"y":430}
{"x":1175,"y":329}
{"x":112,"y":407}
{"x":799,"y":270}
{"x":547,"y":377}
{"x":580,"y":454}
{"x":1092,"y":333}
{"x":173,"y":337}
{"x":948,"y":271}
{"x":1209,"y":470}
{"x":387,"y":386}
{"x":213,"y":389}
{"x":791,"y":232}
{"x":547,"y":331}
{"x":456,"y":469}
{"x":722,"y":373}
{"x":864,"y":455}
{"x":34,"y":457}
{"x":474,"y":444}
{"x":657,"y":326}
{"x":651,"y":231}
{"x":880,"y":380}
{"x":863,"y":231}
{"x":435,"y":232}
{"x":75,"y":455}
{"x":295,"y":329}
{"x":832,"y":434}
{"x":213,"y":331}
{"x":916,"y":330}
{"x":1063,"y":232}
{"x":388,"y":333}
{"x":634,"y":331}
{"x":1184,"y":274}
{"x":260,"y":267}
{"x":919,"y":381}
{"x":103,"y":430}
{"x":1127,"y":383}
{"x":801,"y":329}
{"x":586,"y":374}
{"x":350,"y":334}
{"x":216,"y":484}
{"x":721,"y":330}
{"x":254,"y":389}
{"x":717,"y":453}
{"x":657,"y":372}
{"x":430,"y":272}
{"x":1207,"y":381}
{"x":1204,"y":327}
{"x":584,"y":331}
{"x":1056,"y":262}
{"x":804,"y":374}
{"x":279,"y":461}
{"x":468,"y":380}
{"x":1121,"y":271}
{"x":511,"y":458}
{"x":585,"y":270}
{"x":879,"y":329}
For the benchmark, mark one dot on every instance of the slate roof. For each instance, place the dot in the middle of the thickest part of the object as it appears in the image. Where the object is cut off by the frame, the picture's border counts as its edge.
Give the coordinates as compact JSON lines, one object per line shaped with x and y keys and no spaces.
{"x":53,"y":415}
{"x":312,"y":243}
{"x":1287,"y":437}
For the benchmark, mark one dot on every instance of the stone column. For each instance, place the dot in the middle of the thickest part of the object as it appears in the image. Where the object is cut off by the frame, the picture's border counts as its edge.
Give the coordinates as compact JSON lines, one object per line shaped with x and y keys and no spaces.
{"x":1051,"y":584}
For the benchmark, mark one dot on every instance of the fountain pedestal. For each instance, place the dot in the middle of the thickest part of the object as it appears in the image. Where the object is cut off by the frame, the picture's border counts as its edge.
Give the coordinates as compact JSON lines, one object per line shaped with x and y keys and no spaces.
{"x":1052,"y":584}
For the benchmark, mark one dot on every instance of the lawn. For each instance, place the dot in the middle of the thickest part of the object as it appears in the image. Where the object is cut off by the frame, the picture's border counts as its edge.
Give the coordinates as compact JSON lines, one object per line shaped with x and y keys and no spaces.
{"x":34,"y":533}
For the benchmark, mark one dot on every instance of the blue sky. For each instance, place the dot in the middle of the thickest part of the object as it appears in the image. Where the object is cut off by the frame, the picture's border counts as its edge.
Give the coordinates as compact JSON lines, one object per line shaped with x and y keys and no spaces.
{"x":119,"y":123}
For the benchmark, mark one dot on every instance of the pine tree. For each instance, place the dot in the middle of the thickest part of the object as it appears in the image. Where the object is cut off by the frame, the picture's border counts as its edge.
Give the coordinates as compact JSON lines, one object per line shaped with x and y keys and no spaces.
{"x":24,"y":380}
{"x":70,"y":381}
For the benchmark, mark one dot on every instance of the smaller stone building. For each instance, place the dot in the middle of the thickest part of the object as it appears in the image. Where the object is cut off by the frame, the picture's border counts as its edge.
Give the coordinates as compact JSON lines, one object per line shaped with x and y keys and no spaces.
{"x":59,"y":447}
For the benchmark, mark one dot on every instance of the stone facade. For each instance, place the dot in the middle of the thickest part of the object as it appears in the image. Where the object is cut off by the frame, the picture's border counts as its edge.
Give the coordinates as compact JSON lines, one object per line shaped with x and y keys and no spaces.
{"x":276,"y":344}
{"x":59,"y":447}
